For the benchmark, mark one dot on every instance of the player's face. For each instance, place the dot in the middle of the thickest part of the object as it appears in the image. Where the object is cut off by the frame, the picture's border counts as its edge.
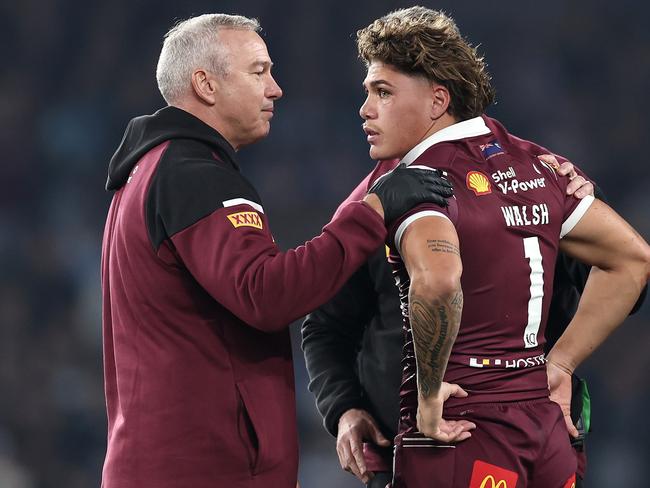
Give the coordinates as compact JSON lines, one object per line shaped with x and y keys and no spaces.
{"x":247,"y":91}
{"x":396,"y":112}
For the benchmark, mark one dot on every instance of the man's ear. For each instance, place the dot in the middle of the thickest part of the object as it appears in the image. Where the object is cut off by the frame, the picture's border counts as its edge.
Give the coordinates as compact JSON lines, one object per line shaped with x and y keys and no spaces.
{"x":440,"y":100}
{"x":205,"y":86}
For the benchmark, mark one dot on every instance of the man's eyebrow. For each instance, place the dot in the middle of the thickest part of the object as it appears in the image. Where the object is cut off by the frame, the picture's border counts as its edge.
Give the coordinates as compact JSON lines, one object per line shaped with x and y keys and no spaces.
{"x":376,"y":83}
{"x":261,"y":63}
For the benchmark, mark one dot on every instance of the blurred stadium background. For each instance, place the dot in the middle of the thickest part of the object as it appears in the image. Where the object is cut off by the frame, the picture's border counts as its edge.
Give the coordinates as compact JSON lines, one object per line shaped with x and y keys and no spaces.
{"x":573,"y":76}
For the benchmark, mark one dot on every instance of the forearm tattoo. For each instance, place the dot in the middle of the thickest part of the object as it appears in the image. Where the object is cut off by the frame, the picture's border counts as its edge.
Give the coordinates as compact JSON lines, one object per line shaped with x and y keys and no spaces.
{"x":434,"y":324}
{"x":438,"y":245}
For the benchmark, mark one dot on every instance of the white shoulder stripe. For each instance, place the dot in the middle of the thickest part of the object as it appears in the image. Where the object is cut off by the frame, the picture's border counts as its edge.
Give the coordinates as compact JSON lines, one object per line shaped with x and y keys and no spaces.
{"x":243,"y":201}
{"x":402,"y":227}
{"x":576,"y":215}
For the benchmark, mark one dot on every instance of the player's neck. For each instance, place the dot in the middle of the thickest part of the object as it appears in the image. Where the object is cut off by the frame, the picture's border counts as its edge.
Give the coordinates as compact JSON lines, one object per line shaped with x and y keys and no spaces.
{"x":440,"y":123}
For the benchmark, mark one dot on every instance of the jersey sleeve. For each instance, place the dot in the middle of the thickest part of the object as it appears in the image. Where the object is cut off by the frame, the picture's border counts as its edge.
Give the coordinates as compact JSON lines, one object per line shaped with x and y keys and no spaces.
{"x":573,"y":207}
{"x":397,"y":229}
{"x":228,"y":248}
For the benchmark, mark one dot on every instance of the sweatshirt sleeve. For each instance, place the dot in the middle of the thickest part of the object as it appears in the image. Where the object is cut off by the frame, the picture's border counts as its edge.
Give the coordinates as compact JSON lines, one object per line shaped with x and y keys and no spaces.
{"x":218,"y":228}
{"x":331,"y":338}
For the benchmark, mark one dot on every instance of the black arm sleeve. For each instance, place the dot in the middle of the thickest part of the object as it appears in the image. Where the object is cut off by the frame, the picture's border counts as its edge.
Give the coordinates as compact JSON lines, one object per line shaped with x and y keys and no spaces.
{"x":331,"y":338}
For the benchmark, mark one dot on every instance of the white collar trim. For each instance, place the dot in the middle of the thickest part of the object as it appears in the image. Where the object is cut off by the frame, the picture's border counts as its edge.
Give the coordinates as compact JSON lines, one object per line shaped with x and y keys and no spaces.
{"x":460,"y":130}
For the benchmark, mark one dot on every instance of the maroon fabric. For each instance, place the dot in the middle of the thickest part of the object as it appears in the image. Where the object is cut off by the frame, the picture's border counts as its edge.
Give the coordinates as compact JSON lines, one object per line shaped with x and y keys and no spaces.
{"x":360,"y":191}
{"x":198,"y":370}
{"x":512,"y":197}
{"x":518,"y":445}
{"x":496,"y":278}
{"x":377,"y":458}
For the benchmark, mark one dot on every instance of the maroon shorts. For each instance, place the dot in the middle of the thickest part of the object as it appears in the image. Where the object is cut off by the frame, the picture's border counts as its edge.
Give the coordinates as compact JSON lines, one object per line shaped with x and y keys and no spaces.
{"x":514,"y":445}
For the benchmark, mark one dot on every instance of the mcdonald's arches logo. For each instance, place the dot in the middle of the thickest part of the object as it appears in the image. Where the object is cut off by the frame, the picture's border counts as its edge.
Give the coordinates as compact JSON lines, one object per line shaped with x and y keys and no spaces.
{"x":493,"y":483}
{"x":486,"y":475}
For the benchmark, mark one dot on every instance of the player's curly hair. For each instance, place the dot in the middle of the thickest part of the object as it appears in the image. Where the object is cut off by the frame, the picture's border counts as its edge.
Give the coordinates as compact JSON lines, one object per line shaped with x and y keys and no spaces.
{"x":418,"y":40}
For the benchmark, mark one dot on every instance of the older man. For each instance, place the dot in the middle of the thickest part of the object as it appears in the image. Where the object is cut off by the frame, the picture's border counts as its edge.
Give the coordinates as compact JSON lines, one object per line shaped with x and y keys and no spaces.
{"x":196,"y":295}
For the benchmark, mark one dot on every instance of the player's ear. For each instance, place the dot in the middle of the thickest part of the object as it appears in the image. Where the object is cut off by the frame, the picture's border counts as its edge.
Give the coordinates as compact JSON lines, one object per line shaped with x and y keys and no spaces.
{"x":440,"y":100}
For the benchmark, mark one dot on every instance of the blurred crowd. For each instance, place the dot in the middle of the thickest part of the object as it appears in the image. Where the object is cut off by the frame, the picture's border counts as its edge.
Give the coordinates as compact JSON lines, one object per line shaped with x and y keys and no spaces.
{"x":572,"y":76}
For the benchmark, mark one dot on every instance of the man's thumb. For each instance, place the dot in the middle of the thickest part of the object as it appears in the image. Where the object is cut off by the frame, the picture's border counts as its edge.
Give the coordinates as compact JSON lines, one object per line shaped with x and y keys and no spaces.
{"x":378,"y":437}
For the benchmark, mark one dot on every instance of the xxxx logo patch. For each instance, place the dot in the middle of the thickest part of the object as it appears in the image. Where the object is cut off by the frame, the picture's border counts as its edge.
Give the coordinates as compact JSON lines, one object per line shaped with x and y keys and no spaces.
{"x":486,"y":475}
{"x":246,"y":219}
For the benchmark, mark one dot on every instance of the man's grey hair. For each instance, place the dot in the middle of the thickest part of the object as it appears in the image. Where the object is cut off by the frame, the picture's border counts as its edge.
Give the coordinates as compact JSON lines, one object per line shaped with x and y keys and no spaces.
{"x":193,"y":44}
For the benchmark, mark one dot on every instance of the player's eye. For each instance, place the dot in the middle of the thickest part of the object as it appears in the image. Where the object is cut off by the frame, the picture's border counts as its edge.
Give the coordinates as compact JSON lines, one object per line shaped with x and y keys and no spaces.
{"x":383,"y":93}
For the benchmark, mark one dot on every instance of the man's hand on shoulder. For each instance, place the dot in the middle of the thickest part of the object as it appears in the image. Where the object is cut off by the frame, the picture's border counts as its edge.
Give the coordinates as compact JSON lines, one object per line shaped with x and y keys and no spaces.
{"x":430,"y":421}
{"x":403,"y":188}
{"x":578,"y":186}
{"x":355,"y":426}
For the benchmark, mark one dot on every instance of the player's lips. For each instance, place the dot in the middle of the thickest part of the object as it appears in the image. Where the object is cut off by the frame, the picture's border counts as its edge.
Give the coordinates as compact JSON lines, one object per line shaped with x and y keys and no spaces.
{"x":268,"y":110}
{"x":371,"y":134}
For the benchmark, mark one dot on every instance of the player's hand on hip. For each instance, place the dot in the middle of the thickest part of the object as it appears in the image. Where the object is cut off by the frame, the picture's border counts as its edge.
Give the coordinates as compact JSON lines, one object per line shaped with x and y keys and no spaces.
{"x":405,"y":187}
{"x":356,"y":426}
{"x":559,"y":385}
{"x":430,"y":421}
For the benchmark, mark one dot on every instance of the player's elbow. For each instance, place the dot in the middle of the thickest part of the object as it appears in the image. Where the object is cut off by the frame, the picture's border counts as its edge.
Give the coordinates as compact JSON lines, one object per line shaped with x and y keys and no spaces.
{"x":436,"y":284}
{"x":645,"y":259}
{"x":638,"y":262}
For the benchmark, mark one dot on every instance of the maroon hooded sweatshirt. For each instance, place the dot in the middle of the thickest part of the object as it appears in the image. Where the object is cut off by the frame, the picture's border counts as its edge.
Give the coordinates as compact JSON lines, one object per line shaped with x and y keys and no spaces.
{"x":196,"y":302}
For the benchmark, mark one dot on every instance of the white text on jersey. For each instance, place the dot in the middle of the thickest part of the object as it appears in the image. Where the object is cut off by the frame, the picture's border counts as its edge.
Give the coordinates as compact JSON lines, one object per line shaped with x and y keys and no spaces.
{"x":519,"y":215}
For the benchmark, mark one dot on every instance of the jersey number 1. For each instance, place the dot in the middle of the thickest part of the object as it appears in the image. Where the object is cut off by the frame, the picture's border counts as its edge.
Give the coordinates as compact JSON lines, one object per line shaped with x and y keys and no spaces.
{"x":534,"y":256}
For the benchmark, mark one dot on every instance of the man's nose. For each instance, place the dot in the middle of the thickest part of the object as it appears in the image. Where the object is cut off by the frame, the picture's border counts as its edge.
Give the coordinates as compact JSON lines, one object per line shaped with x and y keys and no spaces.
{"x":365,"y":111}
{"x":273,"y":90}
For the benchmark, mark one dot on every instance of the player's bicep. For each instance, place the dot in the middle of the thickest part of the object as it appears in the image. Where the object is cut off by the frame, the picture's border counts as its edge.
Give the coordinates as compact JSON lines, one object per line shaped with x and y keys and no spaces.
{"x":430,"y":250}
{"x":604,"y":239}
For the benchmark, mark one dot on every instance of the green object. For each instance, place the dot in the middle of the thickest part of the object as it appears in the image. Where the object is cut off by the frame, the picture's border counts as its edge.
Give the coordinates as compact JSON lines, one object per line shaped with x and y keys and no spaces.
{"x":586,"y":406}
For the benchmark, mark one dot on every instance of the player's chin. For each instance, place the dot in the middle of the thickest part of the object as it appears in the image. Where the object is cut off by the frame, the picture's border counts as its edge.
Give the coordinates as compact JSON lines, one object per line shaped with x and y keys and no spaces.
{"x":377,"y":152}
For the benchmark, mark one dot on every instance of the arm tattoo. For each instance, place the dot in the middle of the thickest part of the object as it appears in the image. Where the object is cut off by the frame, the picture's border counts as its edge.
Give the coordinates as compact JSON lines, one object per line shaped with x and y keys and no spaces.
{"x":434,"y":324}
{"x":437,"y":245}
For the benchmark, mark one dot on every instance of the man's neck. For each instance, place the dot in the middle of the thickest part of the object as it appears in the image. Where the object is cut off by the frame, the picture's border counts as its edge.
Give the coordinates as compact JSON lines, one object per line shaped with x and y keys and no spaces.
{"x":441,"y":123}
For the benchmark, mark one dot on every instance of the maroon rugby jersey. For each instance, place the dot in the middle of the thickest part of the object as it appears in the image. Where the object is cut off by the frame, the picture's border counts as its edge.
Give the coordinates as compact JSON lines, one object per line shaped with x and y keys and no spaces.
{"x":510,"y":211}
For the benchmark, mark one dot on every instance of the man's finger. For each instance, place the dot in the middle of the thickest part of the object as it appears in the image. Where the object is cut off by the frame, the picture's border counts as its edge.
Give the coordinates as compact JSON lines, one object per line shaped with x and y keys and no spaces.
{"x":567,"y":169}
{"x":358,"y":461}
{"x":580,"y":187}
{"x":457,"y":391}
{"x":347,"y":460}
{"x":573,"y":432}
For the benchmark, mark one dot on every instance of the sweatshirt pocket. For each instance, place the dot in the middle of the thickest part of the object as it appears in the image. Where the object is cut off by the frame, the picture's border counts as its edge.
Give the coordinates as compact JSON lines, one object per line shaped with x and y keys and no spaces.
{"x":246,"y":429}
{"x":263,"y":426}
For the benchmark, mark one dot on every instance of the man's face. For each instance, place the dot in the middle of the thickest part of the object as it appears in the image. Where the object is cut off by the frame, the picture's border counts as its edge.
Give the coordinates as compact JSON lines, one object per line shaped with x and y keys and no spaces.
{"x":397,"y":110}
{"x":247,"y":90}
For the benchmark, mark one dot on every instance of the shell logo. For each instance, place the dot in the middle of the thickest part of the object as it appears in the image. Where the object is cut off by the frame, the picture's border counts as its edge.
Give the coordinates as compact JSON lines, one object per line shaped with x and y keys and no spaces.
{"x":478,"y":183}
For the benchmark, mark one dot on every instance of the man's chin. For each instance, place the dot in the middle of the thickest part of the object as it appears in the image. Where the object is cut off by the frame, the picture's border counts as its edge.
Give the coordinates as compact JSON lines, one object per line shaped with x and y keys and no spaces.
{"x":378,"y":154}
{"x":375,"y":153}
